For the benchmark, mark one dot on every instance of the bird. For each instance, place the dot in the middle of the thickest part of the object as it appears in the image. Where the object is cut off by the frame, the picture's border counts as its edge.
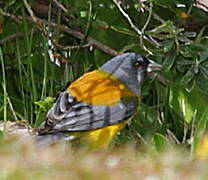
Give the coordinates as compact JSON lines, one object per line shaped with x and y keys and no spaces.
{"x":97,"y":106}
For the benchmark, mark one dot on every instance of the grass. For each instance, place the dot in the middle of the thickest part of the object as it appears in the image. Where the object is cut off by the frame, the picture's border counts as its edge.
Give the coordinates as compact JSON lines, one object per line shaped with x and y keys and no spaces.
{"x":4,"y":91}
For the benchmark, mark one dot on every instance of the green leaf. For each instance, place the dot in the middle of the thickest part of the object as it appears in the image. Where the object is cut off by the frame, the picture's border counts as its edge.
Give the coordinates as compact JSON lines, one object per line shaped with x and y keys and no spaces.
{"x":200,"y":34}
{"x":179,"y":101}
{"x":190,"y":34}
{"x":83,"y":14}
{"x":44,"y":105}
{"x":123,"y":31}
{"x":184,"y":39}
{"x":200,"y":129}
{"x":170,"y":60}
{"x":188,"y":51}
{"x":168,"y":45}
{"x":161,"y":143}
{"x":167,"y":27}
{"x":187,"y":104}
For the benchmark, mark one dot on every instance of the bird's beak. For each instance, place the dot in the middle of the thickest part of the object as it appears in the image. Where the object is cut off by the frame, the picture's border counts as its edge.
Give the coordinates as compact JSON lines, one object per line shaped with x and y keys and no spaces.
{"x":153,"y":66}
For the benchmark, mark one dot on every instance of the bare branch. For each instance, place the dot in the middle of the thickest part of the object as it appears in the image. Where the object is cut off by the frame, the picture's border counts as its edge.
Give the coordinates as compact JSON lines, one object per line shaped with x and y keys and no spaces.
{"x":61,"y":6}
{"x":75,"y":33}
{"x":14,"y":18}
{"x":30,"y":11}
{"x":69,"y":47}
{"x":118,"y":4}
{"x":155,"y":16}
{"x":90,"y":40}
{"x":11,"y":38}
{"x":144,"y":28}
{"x":140,"y":33}
{"x":172,"y":136}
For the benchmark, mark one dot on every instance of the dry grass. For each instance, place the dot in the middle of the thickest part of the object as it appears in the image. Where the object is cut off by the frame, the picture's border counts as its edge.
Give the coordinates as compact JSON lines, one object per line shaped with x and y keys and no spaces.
{"x":23,"y":160}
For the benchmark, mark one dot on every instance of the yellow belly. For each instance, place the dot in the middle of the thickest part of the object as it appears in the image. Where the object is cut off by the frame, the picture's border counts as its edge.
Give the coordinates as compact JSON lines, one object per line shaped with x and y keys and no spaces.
{"x":100,"y":138}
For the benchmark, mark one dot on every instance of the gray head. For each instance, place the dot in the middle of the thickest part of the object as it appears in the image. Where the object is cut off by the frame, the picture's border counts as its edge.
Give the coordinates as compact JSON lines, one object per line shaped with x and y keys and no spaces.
{"x":131,"y":69}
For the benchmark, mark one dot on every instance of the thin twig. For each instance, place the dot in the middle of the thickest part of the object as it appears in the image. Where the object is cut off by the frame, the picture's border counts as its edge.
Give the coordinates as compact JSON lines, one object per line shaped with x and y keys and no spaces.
{"x":171,"y":134}
{"x":153,"y":40}
{"x":45,"y":31}
{"x":144,"y":28}
{"x":12,"y":108}
{"x":155,"y":16}
{"x":185,"y":130}
{"x":35,"y":19}
{"x":142,"y":139}
{"x":193,"y":124}
{"x":69,"y":47}
{"x":118,"y":4}
{"x":30,"y":11}
{"x":76,"y":34}
{"x":148,"y":19}
{"x":140,"y":33}
{"x":90,"y":40}
{"x":11,"y":38}
{"x":61,"y":6}
{"x":14,"y":18}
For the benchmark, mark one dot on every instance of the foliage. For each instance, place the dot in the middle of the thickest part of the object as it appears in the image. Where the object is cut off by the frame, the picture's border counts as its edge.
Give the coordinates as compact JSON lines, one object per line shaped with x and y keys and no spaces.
{"x":174,"y":106}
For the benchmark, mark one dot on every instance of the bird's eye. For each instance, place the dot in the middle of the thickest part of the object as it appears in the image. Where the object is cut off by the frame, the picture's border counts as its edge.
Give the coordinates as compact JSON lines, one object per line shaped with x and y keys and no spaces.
{"x":137,"y":64}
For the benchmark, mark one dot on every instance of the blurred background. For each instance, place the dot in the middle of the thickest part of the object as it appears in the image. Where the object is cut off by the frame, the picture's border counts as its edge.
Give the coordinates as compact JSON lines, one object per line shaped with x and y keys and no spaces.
{"x":46,"y":44}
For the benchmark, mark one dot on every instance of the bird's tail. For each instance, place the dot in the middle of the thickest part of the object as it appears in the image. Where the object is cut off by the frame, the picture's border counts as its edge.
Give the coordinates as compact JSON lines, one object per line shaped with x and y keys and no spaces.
{"x":48,"y":139}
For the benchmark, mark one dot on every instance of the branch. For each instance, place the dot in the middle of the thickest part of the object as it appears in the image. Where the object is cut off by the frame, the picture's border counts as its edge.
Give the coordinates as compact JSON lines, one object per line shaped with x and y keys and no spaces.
{"x":30,"y":11}
{"x":76,"y":34}
{"x":155,"y":16}
{"x":11,"y":38}
{"x":90,"y":40}
{"x":16,"y":36}
{"x":140,"y":33}
{"x":118,"y":4}
{"x":14,"y":18}
{"x":61,"y":6}
{"x":70,"y":47}
{"x":144,"y":28}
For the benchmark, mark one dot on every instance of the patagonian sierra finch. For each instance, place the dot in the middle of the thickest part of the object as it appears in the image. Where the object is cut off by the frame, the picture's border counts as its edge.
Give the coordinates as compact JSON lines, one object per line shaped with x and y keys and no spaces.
{"x":95,"y":107}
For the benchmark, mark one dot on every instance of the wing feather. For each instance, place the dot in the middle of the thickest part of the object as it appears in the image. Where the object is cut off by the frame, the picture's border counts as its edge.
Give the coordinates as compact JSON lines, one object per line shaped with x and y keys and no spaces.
{"x":68,"y":114}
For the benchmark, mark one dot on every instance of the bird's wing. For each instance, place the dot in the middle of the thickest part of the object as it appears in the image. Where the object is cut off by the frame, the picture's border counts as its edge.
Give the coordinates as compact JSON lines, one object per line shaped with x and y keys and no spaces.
{"x":68,"y":114}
